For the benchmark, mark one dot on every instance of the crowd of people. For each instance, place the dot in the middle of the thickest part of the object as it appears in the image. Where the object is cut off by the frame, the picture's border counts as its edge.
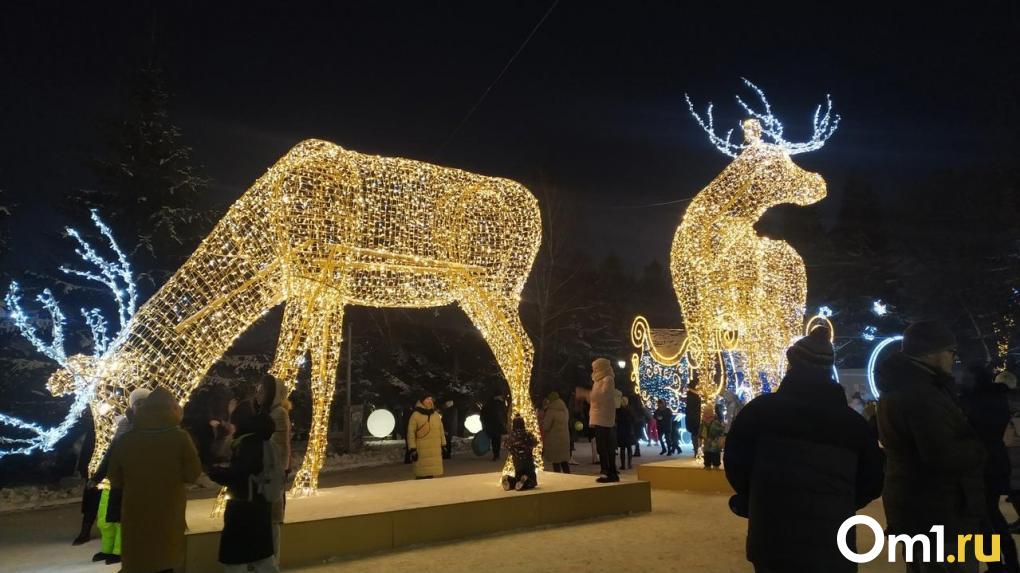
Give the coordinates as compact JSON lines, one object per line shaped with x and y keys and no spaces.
{"x":801,"y":460}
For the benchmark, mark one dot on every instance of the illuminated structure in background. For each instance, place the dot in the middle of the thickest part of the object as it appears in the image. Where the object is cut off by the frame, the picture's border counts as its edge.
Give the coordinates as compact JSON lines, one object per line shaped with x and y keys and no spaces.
{"x":324,"y":228}
{"x":661,"y":367}
{"x":822,"y":320}
{"x":76,"y":373}
{"x":735,"y":288}
{"x":873,"y":360}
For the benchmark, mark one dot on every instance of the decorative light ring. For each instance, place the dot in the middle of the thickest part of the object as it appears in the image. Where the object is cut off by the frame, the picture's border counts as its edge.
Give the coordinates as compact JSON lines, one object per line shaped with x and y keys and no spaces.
{"x":873,"y":359}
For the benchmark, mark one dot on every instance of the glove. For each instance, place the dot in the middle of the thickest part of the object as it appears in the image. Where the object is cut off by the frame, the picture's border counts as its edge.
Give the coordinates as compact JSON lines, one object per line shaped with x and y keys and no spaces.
{"x":414,"y":455}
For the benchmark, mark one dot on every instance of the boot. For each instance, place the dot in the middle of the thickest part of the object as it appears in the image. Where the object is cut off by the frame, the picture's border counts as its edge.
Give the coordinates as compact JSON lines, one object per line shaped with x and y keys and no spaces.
{"x":86,"y":533}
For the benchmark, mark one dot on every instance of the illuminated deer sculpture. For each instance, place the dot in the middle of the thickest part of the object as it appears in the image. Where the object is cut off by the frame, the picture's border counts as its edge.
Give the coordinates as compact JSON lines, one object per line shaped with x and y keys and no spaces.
{"x":738,"y":290}
{"x":325,"y":228}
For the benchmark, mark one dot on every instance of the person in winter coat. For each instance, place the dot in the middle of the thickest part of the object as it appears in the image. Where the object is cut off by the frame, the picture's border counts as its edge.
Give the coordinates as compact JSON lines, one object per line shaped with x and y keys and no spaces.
{"x":602,"y":415}
{"x":494,"y":419}
{"x":151,"y":464}
{"x":556,"y":433}
{"x":1008,"y":379}
{"x":108,"y":515}
{"x":653,"y":427}
{"x":641,"y":418}
{"x":664,"y":425}
{"x":246,"y":543}
{"x":625,"y":433}
{"x":451,"y":422}
{"x":425,"y":439}
{"x":272,"y":400}
{"x":692,"y":417}
{"x":522,"y":446}
{"x":987,"y":408}
{"x":713,"y":436}
{"x":801,"y":462}
{"x":935,"y":460}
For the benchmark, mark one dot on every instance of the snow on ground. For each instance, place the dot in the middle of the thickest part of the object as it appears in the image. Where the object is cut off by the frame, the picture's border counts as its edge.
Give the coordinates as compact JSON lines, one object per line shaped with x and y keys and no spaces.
{"x":373,"y":454}
{"x":683,"y":532}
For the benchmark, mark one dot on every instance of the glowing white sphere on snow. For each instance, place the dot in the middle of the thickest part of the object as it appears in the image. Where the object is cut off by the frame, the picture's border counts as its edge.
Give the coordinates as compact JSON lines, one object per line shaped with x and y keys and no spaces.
{"x":381,"y":423}
{"x":473,"y":423}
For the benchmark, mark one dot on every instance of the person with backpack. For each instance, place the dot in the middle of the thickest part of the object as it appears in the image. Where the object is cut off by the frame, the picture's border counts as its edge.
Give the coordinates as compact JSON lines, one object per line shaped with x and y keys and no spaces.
{"x":253,"y":481}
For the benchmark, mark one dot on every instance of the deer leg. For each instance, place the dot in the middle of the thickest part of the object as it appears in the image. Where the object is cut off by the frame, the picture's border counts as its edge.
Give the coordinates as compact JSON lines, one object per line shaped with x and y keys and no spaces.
{"x":104,"y":429}
{"x":292,"y":344}
{"x":499,"y":322}
{"x":324,"y":338}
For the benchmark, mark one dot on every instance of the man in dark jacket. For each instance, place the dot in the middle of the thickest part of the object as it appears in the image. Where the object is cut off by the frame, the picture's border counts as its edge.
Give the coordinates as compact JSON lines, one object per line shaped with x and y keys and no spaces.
{"x":692,"y":416}
{"x":935,"y":460}
{"x":494,"y":420}
{"x":801,"y":462}
{"x":987,"y":408}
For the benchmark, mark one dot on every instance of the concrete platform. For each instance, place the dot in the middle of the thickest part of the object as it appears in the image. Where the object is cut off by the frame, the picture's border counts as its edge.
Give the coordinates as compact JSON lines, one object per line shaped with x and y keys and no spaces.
{"x":685,"y":475}
{"x":350,"y":520}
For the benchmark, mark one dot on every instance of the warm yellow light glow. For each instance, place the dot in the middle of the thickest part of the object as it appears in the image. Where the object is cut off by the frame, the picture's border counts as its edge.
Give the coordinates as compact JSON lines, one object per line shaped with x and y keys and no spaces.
{"x":737,"y":289}
{"x":322,"y":229}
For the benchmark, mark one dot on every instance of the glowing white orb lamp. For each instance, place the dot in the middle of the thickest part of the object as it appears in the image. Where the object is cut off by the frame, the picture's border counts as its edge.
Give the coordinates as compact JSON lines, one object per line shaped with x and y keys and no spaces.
{"x":381,"y":423}
{"x":473,"y":423}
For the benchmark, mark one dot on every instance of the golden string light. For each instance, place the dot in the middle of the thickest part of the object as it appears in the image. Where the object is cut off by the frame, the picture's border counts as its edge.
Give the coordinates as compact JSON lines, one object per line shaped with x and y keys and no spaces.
{"x":735,"y":288}
{"x":324,"y":228}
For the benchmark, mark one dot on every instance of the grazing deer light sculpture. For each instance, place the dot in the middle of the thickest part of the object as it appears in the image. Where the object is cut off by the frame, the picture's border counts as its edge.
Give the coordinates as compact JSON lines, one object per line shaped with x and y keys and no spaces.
{"x":323,"y":228}
{"x":735,"y":288}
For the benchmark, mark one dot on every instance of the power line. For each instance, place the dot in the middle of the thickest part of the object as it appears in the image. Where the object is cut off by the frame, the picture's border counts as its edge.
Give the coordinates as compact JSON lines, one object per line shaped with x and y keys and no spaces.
{"x":485,"y":93}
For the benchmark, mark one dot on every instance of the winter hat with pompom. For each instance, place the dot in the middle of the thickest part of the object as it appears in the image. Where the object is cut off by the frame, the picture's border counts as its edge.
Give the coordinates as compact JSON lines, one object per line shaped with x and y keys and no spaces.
{"x":813,"y":350}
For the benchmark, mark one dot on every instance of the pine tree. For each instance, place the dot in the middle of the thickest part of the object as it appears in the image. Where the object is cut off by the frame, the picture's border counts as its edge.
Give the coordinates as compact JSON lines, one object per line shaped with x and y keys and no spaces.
{"x":148,"y":185}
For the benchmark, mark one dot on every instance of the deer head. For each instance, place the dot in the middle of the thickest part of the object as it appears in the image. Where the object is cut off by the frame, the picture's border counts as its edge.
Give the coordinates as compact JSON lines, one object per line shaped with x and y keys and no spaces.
{"x":78,"y":374}
{"x":762,"y":168}
{"x":766,"y":170}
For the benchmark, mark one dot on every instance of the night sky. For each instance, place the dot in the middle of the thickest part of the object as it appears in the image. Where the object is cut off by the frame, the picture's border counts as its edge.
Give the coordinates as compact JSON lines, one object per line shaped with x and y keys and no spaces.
{"x":594,"y":105}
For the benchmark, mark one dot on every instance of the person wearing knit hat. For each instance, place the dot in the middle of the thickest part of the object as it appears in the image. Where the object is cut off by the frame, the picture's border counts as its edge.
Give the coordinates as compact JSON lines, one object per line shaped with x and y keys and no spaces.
{"x":801,"y":462}
{"x":814,"y":350}
{"x":935,"y":469}
{"x":602,"y":415}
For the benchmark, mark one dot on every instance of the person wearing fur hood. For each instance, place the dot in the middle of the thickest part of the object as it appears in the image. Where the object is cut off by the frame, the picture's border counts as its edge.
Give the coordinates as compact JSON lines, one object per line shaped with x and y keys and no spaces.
{"x":556,"y":434}
{"x":603,"y":398}
{"x":425,"y":439}
{"x":152,"y":463}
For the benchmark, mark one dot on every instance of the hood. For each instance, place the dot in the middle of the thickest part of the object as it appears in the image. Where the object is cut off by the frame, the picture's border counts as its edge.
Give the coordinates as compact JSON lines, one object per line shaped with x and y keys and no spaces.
{"x":900,"y":371}
{"x":280,"y":394}
{"x":159,"y":410}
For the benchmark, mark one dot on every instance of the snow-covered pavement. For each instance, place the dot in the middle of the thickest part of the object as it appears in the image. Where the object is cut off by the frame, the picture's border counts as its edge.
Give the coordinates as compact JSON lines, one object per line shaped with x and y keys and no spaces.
{"x":683,"y":532}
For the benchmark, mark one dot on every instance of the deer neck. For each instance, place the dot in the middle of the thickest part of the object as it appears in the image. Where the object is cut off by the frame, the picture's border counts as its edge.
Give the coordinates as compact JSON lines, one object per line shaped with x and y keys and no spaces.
{"x":230,"y":281}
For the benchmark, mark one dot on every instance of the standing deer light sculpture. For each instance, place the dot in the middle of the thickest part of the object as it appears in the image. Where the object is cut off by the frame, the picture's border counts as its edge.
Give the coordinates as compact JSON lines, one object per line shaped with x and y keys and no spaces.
{"x":737,"y":289}
{"x":323,"y":228}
